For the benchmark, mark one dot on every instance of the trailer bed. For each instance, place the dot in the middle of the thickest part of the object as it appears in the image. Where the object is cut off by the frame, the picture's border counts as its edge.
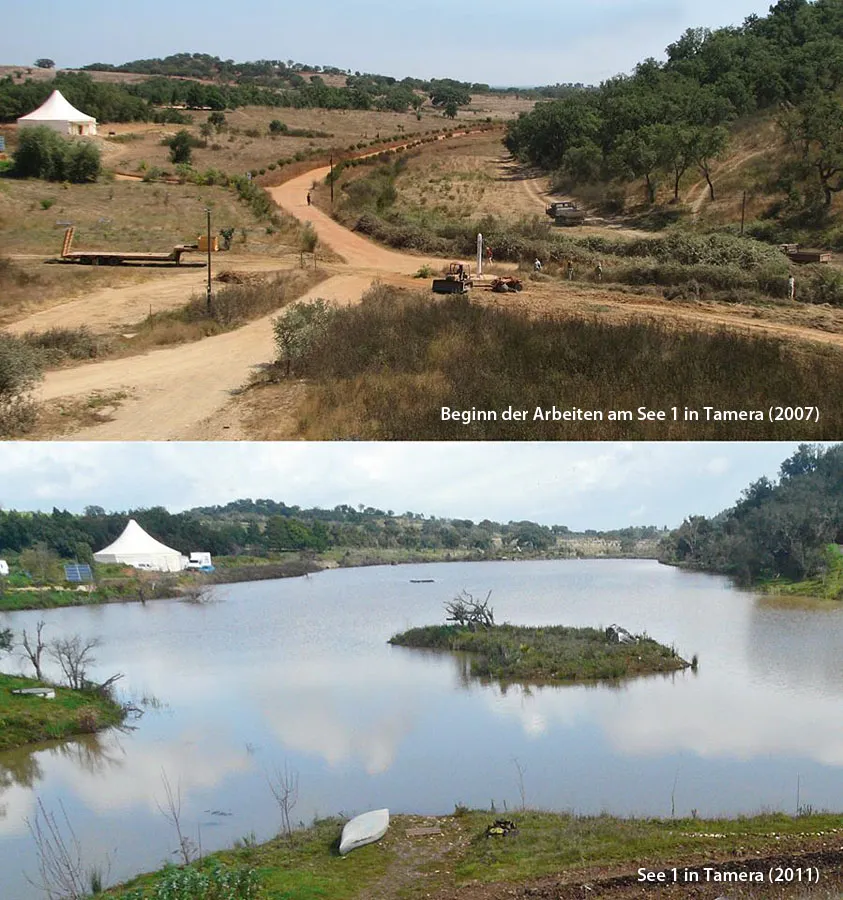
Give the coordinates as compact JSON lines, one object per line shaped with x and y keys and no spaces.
{"x":117,"y":258}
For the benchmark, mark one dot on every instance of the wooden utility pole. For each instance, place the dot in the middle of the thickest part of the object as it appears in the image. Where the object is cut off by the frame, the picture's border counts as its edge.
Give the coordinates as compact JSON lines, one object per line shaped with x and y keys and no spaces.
{"x":208,"y":298}
{"x":332,"y":179}
{"x":743,"y":211}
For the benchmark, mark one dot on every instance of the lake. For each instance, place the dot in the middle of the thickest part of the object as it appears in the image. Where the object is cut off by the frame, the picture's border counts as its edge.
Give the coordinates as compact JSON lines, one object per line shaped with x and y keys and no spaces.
{"x":297,"y":675}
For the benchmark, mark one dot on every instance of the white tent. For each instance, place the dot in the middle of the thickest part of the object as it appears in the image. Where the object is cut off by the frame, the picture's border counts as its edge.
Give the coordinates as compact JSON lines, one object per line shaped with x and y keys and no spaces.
{"x":56,"y":113}
{"x":136,"y":548}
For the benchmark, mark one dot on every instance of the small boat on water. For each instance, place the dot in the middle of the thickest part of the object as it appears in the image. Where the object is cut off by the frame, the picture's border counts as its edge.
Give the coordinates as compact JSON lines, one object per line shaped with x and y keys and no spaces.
{"x":421,"y":581}
{"x":364,"y":829}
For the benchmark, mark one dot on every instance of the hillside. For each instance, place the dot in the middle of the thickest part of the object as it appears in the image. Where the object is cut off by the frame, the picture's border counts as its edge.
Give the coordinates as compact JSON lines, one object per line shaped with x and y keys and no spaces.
{"x":264,"y":526}
{"x":670,"y":125}
{"x":777,"y":530}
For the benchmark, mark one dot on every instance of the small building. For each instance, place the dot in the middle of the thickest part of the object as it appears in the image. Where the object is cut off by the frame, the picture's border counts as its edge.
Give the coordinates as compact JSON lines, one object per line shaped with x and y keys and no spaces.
{"x":57,"y":113}
{"x":140,"y":550}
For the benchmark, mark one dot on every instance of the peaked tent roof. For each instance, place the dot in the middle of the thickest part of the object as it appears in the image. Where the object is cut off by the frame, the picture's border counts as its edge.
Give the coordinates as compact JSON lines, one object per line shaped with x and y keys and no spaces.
{"x":57,"y":109}
{"x":134,"y":540}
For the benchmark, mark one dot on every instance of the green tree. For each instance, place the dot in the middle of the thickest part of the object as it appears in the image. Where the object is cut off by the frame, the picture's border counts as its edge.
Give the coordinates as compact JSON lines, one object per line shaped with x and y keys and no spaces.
{"x":637,"y":156}
{"x":84,"y":162}
{"x":217,"y":119}
{"x":451,"y":109}
{"x":45,"y":63}
{"x":276,"y":126}
{"x":707,"y":145}
{"x":815,"y":129}
{"x":42,"y":563}
{"x":673,"y":148}
{"x":181,"y":147}
{"x":43,"y":153}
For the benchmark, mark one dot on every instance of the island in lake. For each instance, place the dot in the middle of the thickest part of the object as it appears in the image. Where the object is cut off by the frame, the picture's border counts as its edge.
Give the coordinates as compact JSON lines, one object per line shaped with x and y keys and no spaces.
{"x":542,"y":654}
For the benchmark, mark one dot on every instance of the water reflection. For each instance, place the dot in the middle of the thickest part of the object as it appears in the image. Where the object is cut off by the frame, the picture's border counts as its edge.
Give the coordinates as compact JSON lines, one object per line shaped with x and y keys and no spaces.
{"x":300,"y":673}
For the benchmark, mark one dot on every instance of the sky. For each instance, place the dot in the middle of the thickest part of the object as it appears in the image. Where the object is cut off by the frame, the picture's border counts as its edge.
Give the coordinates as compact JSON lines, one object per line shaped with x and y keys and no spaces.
{"x":581,"y":485}
{"x":497,"y":41}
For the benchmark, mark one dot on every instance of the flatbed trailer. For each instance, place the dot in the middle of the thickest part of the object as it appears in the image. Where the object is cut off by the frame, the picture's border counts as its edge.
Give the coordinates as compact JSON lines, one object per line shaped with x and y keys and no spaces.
{"x":119,"y":257}
{"x":798,"y":254}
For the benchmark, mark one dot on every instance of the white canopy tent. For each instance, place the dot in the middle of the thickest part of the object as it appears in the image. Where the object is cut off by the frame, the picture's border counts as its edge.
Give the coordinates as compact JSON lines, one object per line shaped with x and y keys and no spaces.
{"x":56,"y":113}
{"x":136,"y":548}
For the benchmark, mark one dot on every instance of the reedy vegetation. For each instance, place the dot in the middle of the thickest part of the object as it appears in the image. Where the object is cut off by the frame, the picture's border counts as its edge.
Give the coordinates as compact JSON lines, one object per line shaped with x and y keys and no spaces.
{"x":384,"y":370}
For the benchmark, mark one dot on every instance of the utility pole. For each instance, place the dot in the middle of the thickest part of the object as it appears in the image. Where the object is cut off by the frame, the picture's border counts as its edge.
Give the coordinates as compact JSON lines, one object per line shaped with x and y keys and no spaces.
{"x":743,"y":211}
{"x":332,"y":179}
{"x":208,"y":296}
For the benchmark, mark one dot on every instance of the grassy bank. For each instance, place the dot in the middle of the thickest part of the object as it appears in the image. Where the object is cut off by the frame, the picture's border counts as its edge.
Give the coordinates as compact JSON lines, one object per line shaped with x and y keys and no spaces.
{"x":143,"y":586}
{"x":554,"y":653}
{"x":828,"y":586}
{"x":384,"y":370}
{"x":553,"y":852}
{"x":29,"y":720}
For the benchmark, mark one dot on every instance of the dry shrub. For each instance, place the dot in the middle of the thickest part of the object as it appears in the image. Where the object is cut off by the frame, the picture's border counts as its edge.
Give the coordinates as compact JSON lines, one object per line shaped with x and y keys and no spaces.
{"x":384,"y":369}
{"x":59,"y":344}
{"x":87,"y":720}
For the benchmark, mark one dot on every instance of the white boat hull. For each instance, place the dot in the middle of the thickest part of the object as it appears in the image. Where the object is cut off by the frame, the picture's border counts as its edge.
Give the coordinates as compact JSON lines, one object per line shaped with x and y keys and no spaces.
{"x":364,"y":829}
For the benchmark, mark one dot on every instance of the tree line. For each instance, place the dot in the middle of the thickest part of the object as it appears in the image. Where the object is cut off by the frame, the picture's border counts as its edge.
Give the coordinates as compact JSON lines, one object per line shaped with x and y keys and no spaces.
{"x":263,"y":526}
{"x":776,"y":529}
{"x":150,"y":99}
{"x":667,"y":118}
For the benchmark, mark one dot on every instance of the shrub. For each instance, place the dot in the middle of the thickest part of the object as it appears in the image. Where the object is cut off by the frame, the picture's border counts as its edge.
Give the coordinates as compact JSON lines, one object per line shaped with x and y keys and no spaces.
{"x":181,"y":146}
{"x":298,"y":329}
{"x":383,"y":370}
{"x":47,"y":202}
{"x":67,"y":343}
{"x":822,"y":286}
{"x":20,"y":369}
{"x":43,"y":153}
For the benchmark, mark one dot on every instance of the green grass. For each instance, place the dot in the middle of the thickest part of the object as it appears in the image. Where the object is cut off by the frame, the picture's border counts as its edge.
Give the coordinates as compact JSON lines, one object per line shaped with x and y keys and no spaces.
{"x":29,"y":720}
{"x":12,"y":600}
{"x":308,"y":867}
{"x":555,"y":653}
{"x":546,"y":843}
{"x":828,"y":586}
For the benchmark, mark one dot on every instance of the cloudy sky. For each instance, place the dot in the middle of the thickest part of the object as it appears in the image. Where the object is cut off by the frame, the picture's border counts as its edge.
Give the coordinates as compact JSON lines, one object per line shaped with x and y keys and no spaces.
{"x":494,"y":41}
{"x":582,"y":485}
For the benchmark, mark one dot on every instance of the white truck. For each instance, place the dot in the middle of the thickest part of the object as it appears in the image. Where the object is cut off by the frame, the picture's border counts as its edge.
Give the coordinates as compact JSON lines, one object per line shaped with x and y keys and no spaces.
{"x":199,"y":562}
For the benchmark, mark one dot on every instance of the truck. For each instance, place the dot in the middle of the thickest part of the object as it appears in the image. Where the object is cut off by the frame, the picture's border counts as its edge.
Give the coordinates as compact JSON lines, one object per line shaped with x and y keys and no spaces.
{"x":199,"y":562}
{"x":565,"y":212}
{"x":457,"y":280}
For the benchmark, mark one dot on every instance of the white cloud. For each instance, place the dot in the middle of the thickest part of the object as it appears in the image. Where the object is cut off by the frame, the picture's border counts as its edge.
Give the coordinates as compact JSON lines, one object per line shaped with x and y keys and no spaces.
{"x":582,"y":485}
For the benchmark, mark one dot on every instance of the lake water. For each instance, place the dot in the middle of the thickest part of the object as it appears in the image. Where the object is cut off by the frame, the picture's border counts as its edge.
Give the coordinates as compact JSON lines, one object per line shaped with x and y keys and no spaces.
{"x":298,"y":674}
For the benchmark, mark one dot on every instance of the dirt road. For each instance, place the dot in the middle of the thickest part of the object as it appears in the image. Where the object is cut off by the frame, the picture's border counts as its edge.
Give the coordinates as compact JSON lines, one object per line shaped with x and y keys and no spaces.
{"x":185,"y":392}
{"x":161,"y":289}
{"x":357,"y":251}
{"x":174,"y":394}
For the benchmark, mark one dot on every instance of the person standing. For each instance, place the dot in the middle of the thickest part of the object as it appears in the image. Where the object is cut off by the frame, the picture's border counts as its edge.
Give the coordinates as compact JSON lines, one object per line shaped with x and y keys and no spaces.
{"x":308,"y":198}
{"x":537,"y":265}
{"x":598,"y":271}
{"x":791,"y":288}
{"x":570,"y":270}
